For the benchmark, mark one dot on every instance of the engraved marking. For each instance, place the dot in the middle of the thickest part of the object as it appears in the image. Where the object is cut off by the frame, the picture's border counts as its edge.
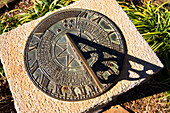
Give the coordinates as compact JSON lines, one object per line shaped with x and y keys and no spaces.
{"x":45,"y":81}
{"x":97,"y":20}
{"x":71,"y":61}
{"x":35,"y":46}
{"x":58,"y":89}
{"x":65,"y":95}
{"x":38,"y":78}
{"x":34,"y":67}
{"x":92,"y":88}
{"x":62,"y":52}
{"x":72,"y":91}
{"x":84,"y":15}
{"x":110,"y":32}
{"x":37,"y":37}
{"x":50,"y":87}
{"x":67,"y":63}
{"x":81,"y":14}
{"x":83,"y":90}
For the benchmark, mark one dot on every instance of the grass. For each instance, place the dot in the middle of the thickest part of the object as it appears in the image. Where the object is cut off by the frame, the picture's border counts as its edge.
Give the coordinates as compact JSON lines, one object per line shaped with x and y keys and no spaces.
{"x":40,"y":8}
{"x":152,"y":21}
{"x":5,"y":95}
{"x":7,"y":22}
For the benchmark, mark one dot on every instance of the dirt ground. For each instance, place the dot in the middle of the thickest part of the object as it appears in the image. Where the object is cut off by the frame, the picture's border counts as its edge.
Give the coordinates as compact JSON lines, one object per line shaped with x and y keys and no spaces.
{"x":144,"y":98}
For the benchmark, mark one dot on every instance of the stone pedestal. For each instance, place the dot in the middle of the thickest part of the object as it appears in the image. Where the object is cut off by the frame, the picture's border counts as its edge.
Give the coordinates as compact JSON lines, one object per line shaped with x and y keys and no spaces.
{"x":140,"y":63}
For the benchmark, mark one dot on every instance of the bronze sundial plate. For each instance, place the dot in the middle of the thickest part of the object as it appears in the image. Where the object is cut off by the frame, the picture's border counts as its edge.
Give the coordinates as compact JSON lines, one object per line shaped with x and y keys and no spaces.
{"x":68,"y":49}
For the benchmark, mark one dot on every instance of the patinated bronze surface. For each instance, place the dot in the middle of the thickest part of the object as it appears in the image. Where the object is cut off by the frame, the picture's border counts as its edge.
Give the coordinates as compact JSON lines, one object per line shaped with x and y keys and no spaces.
{"x":74,"y":54}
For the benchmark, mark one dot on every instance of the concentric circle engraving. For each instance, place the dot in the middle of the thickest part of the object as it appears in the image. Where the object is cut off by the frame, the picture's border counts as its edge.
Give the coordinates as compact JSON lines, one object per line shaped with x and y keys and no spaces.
{"x":74,"y":54}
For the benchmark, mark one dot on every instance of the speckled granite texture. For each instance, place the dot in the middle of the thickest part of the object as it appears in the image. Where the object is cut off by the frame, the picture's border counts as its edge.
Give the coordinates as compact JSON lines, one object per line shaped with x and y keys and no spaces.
{"x":140,"y":63}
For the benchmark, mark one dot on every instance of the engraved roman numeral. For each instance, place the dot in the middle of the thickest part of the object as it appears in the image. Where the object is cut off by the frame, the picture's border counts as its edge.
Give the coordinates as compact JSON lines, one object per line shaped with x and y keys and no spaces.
{"x":65,"y":96}
{"x":72,"y":91}
{"x":34,"y":43}
{"x":97,"y":19}
{"x":83,"y":90}
{"x":84,"y":14}
{"x":45,"y":81}
{"x":35,"y":46}
{"x":110,"y":32}
{"x":92,"y":88}
{"x":34,"y":67}
{"x":50,"y":87}
{"x":58,"y":89}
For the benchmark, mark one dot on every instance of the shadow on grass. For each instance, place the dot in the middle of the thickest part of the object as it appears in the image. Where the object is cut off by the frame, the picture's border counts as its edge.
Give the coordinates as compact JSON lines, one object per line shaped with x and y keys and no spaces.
{"x":11,"y":6}
{"x":6,"y":100}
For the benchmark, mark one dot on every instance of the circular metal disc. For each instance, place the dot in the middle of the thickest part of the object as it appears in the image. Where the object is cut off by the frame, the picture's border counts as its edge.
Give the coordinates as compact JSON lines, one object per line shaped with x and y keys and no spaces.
{"x":53,"y":64}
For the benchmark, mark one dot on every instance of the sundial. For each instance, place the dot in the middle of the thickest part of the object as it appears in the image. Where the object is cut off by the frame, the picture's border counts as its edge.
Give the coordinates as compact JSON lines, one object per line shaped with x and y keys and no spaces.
{"x":75,"y":59}
{"x":75,"y":54}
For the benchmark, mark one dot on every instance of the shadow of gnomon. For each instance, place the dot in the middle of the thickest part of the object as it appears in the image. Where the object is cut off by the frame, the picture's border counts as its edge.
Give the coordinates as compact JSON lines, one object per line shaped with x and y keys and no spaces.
{"x":143,"y":70}
{"x":124,"y":61}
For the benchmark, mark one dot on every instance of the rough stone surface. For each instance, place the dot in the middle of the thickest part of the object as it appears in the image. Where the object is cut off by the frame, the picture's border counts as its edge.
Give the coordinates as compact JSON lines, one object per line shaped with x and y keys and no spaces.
{"x":140,"y":63}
